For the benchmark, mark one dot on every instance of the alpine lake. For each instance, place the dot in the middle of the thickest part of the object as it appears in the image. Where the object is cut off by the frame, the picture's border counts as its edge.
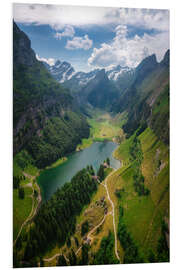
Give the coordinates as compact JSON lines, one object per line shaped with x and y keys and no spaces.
{"x":52,"y":179}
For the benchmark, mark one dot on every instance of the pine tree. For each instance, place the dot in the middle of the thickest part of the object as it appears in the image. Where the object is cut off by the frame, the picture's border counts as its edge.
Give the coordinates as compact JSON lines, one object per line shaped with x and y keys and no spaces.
{"x":108,"y":161}
{"x":101,"y":172}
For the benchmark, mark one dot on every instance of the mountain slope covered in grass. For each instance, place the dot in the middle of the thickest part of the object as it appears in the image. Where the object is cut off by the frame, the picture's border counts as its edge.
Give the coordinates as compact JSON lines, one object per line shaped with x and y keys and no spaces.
{"x":147,"y":99}
{"x":144,"y":216}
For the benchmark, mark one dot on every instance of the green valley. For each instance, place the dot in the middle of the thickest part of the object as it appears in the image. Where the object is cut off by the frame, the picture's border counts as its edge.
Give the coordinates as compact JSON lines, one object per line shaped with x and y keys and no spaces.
{"x":104,"y":126}
{"x":90,"y":153}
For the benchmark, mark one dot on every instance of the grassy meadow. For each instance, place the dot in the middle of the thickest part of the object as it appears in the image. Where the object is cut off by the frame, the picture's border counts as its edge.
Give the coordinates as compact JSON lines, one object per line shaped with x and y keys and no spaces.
{"x":104,"y":126}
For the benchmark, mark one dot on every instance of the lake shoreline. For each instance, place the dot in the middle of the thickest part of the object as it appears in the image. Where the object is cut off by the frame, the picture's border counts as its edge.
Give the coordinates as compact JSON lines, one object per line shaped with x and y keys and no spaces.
{"x":56,"y":163}
{"x":86,"y":144}
{"x":52,"y":178}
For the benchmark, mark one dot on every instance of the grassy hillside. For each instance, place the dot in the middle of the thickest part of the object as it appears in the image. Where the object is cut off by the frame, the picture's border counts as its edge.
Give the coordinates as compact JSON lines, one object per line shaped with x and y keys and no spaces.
{"x":21,"y":209}
{"x":160,"y":115}
{"x":23,"y":174}
{"x":143,"y":215}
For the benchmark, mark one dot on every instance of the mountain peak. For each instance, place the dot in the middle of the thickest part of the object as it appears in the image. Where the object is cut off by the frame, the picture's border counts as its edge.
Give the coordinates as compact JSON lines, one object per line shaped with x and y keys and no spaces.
{"x":165,"y":60}
{"x":61,"y":71}
{"x":145,"y":67}
{"x":58,"y":62}
{"x":148,"y":61}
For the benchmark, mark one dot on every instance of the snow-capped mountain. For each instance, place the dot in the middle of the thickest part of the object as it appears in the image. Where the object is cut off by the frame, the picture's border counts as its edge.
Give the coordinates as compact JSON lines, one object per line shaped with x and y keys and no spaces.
{"x":83,"y":77}
{"x":80,"y":80}
{"x":116,"y":72}
{"x":65,"y":74}
{"x":61,"y":71}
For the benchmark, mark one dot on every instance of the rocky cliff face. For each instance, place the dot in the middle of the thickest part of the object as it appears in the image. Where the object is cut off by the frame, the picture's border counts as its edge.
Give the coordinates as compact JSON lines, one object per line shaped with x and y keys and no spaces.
{"x":147,"y":65}
{"x":22,"y":52}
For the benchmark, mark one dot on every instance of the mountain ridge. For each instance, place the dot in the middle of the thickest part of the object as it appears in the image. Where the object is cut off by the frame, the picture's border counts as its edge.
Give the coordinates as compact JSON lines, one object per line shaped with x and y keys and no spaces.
{"x":81,"y":78}
{"x":139,"y":100}
{"x":44,"y":113}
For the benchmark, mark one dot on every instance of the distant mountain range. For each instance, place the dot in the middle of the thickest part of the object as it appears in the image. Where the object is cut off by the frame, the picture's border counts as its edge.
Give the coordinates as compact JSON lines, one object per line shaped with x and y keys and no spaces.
{"x":119,"y":89}
{"x":98,"y":87}
{"x":63,"y":72}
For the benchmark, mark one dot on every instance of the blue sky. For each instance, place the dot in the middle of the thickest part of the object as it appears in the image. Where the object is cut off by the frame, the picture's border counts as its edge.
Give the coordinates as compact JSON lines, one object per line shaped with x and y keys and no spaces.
{"x":90,"y":37}
{"x":46,"y":45}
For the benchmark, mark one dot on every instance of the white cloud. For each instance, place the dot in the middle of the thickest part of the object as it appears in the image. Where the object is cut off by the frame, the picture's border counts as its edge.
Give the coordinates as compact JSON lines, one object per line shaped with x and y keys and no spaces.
{"x":57,"y":16}
{"x":129,"y":51}
{"x":68,"y":32}
{"x":145,"y":18}
{"x":121,"y":30}
{"x":49,"y":61}
{"x":79,"y":43}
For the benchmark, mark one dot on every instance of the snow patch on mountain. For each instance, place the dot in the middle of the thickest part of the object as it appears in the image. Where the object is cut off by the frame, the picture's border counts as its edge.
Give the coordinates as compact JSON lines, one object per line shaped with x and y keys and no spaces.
{"x":115,"y":72}
{"x":63,"y":72}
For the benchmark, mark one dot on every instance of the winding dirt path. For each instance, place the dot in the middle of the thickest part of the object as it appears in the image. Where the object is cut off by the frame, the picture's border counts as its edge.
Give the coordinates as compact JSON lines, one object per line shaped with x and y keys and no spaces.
{"x":33,"y":210}
{"x":55,"y":256}
{"x":88,"y":236}
{"x":95,"y":228}
{"x":113,"y":214}
{"x":39,"y":198}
